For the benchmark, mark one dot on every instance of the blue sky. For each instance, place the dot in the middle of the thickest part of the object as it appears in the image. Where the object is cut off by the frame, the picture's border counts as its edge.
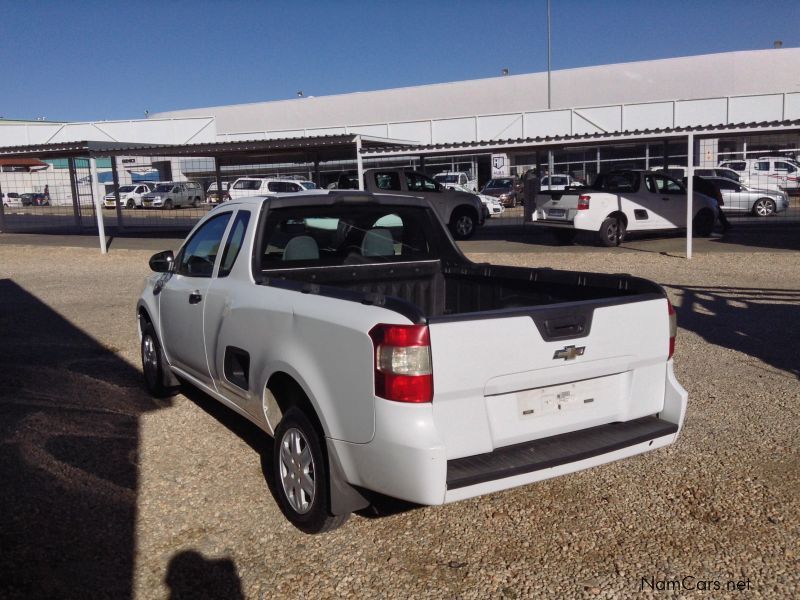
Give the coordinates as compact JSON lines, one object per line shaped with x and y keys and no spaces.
{"x":86,"y":60}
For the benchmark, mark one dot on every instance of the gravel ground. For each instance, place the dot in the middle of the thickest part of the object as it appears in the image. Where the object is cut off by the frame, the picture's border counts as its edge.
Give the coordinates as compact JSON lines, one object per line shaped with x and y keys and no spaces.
{"x":107,"y":492}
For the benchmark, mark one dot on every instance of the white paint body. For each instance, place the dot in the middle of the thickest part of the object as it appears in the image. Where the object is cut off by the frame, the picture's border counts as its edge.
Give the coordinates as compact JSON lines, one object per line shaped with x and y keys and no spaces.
{"x":484,"y":370}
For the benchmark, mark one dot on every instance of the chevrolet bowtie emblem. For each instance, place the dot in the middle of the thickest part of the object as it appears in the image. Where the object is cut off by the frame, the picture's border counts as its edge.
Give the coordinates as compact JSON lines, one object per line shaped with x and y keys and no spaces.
{"x":569,"y":352}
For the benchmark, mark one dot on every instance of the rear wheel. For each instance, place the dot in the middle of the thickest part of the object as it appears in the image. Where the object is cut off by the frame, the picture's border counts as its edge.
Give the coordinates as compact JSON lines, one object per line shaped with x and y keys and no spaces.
{"x":301,"y":475}
{"x":462,"y":224}
{"x":610,"y":230}
{"x":168,"y":204}
{"x":703,"y":223}
{"x":764,"y":207}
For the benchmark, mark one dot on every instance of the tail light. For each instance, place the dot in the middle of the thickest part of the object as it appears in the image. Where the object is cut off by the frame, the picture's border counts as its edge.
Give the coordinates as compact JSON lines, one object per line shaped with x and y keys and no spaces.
{"x":583,"y":202}
{"x":673,"y":328}
{"x":403,"y":369}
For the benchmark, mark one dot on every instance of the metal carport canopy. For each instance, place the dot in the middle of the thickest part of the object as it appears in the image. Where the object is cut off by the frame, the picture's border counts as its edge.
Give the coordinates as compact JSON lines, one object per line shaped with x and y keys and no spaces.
{"x":323,"y":148}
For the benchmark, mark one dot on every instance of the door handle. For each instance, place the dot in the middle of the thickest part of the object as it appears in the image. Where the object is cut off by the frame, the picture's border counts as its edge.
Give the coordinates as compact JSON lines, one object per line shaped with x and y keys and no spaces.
{"x":195,"y":297}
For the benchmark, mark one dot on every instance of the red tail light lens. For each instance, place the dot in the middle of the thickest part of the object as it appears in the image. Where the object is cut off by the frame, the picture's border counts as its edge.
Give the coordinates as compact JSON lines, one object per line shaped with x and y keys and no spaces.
{"x":403,"y":370}
{"x":673,"y":328}
{"x":583,"y":202}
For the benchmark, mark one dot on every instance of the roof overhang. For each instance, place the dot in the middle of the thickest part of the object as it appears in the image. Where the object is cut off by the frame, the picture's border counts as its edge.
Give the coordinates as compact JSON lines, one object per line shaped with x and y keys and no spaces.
{"x":323,"y":148}
{"x":615,"y":137}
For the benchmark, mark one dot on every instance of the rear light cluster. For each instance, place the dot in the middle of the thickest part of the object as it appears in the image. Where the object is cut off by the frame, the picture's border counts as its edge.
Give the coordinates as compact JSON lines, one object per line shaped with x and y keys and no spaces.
{"x":583,"y":202}
{"x":403,"y":369}
{"x":673,"y":328}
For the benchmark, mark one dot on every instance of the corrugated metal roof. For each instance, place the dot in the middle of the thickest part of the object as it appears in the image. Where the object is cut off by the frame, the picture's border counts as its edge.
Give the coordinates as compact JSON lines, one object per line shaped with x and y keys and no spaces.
{"x":733,"y":128}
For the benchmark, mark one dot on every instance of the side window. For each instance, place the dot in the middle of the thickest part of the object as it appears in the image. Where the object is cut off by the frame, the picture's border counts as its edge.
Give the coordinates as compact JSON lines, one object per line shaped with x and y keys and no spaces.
{"x":665,"y":185}
{"x":726,"y":185}
{"x":200,"y":253}
{"x":762,"y":165}
{"x":389,"y":181}
{"x":420,"y":183}
{"x":784,"y":166}
{"x":293,"y":187}
{"x":276,"y":186}
{"x":234,"y":242}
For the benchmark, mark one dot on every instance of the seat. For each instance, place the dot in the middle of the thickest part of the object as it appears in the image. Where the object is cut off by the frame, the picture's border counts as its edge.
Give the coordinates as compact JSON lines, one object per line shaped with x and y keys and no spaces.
{"x":377,"y":242}
{"x":302,"y":247}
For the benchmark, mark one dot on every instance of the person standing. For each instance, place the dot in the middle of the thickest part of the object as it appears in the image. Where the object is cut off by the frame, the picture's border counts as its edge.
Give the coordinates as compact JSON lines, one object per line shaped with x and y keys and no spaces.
{"x":531,"y":187}
{"x":47,"y":195}
{"x":710,"y":189}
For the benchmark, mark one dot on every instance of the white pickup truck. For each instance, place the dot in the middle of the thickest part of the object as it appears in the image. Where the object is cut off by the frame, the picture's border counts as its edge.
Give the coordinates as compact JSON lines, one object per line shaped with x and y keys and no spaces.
{"x":623,"y":201}
{"x":351,"y":329}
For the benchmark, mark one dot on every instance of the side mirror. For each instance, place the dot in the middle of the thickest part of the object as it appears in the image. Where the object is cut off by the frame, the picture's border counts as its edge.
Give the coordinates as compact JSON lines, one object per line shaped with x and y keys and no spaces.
{"x":162,"y":262}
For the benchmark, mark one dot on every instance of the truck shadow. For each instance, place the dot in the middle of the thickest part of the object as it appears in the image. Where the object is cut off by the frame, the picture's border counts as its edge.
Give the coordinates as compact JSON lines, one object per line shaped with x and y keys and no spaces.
{"x":69,"y":439}
{"x":191,"y":575}
{"x":755,"y":321}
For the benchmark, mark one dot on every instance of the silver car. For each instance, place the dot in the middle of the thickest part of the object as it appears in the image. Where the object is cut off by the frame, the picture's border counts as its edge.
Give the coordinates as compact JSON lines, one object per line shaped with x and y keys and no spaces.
{"x":741,"y":198}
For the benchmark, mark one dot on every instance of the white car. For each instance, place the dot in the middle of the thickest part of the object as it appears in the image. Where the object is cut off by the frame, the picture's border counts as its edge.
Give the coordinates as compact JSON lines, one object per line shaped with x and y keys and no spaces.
{"x":354,"y":332}
{"x":492,"y":204}
{"x":558,"y":182}
{"x":766,"y":173}
{"x":12,"y":200}
{"x":619,"y":202}
{"x":263,"y":186}
{"x":130,"y":196}
{"x":457,"y":179}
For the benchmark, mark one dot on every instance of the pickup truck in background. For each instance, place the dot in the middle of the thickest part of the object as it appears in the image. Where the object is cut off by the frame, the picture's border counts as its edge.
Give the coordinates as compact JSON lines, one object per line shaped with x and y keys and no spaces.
{"x":351,"y":329}
{"x":455,"y":180}
{"x":619,"y":202}
{"x":463,"y":212}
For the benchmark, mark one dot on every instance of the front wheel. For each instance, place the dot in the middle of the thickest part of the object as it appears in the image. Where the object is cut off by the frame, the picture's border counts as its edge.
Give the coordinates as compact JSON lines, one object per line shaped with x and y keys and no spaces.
{"x":462,"y":224}
{"x":610,"y":230}
{"x":703,"y":223}
{"x":153,"y":364}
{"x":196,"y":203}
{"x":764,"y":207}
{"x":130,"y":204}
{"x":301,"y":474}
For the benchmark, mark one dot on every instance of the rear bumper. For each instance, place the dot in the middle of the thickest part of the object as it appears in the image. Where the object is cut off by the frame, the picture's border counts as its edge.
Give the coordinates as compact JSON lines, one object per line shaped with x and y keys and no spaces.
{"x":407,"y":458}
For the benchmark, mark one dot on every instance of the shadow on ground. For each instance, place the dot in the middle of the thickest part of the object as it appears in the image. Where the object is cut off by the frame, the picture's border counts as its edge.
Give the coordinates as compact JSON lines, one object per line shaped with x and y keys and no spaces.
{"x":191,"y":576}
{"x":760,"y":323}
{"x":69,"y":438}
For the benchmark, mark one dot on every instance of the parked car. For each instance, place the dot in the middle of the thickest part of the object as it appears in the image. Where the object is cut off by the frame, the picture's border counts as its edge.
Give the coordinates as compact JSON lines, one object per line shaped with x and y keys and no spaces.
{"x":214,"y":197}
{"x":743,"y":199}
{"x":619,"y":202}
{"x":174,"y":194}
{"x":12,"y":200}
{"x":382,"y":362}
{"x":130,"y":196}
{"x":679,"y":172}
{"x":768,"y":173}
{"x":504,"y":188}
{"x":462,"y":212}
{"x":263,"y":186}
{"x":453,"y":179}
{"x":558,"y":182}
{"x":34,"y":199}
{"x":493,"y":205}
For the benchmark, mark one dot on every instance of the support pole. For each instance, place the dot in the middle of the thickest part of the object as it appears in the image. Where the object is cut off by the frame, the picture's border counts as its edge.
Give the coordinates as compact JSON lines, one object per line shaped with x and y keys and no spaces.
{"x":549,"y":103}
{"x":689,"y":192}
{"x":98,"y":206}
{"x":76,"y":198}
{"x":550,"y":168}
{"x":317,"y":180}
{"x":2,"y":213}
{"x":360,"y":163}
{"x":115,"y":179}
{"x":218,"y":179}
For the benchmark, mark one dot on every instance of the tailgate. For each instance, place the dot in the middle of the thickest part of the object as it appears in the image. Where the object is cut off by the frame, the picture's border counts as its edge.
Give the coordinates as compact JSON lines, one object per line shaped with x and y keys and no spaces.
{"x":540,"y":372}
{"x":558,"y":206}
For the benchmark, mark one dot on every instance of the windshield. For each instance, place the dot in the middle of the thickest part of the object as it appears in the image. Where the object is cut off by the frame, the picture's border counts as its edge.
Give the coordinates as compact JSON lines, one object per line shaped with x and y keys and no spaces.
{"x":163,"y":187}
{"x":446,"y":178}
{"x":126,"y":188}
{"x":499,"y":183}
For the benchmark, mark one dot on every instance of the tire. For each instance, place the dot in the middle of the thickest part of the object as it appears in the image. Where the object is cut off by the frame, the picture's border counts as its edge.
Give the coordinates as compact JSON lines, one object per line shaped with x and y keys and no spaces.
{"x":153,"y":364}
{"x":703,"y":223}
{"x":565,"y":236}
{"x":168,"y":204}
{"x":608,"y":232}
{"x":130,"y":204}
{"x":300,"y":469}
{"x":196,"y":203}
{"x":462,"y":224}
{"x":764,"y":207}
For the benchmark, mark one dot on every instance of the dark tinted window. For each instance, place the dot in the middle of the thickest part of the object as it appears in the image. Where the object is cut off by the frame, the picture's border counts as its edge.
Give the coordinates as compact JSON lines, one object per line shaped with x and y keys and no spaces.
{"x":784,"y":166}
{"x":735,"y":165}
{"x":619,"y":181}
{"x":420,"y":183}
{"x":726,"y":184}
{"x":200,"y":252}
{"x":234,"y":242}
{"x":247,"y":184}
{"x":346,"y":234}
{"x":389,"y":181}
